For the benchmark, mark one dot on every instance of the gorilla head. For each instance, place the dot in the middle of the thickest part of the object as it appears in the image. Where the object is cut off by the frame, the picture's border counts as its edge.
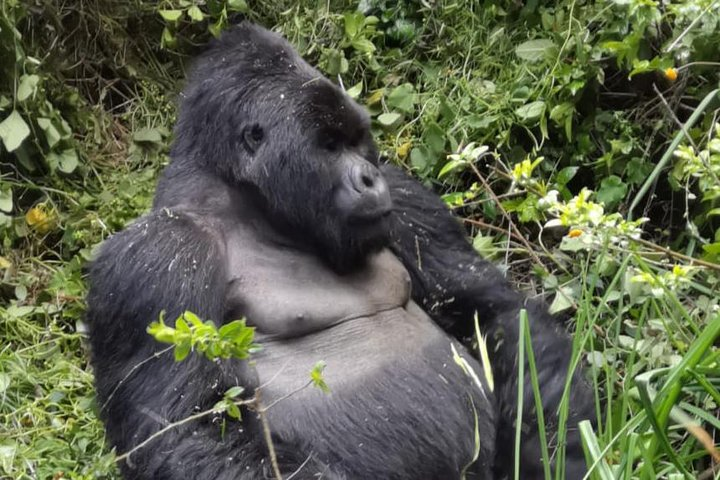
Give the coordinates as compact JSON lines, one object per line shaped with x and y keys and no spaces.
{"x":258,"y":100}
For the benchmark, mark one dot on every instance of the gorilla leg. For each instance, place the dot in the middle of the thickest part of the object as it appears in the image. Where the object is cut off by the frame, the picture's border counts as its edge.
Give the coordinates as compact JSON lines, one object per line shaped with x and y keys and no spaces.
{"x":452,"y":282}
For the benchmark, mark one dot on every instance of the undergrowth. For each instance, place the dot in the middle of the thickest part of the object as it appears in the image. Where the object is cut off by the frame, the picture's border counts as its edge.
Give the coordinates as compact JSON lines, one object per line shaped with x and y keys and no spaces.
{"x":578,"y":140}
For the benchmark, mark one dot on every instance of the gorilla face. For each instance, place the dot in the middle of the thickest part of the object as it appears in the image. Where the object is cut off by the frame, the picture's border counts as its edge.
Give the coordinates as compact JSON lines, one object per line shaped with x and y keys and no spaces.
{"x":296,"y":140}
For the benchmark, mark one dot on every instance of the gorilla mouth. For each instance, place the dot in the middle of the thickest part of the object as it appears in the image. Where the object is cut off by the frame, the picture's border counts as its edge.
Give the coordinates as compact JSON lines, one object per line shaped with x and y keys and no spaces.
{"x":371,"y":217}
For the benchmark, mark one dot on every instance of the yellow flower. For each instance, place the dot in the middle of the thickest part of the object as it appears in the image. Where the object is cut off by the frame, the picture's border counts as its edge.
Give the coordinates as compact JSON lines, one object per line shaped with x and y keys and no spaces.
{"x":402,"y":150}
{"x":575,"y":232}
{"x":40,"y":218}
{"x":671,"y":74}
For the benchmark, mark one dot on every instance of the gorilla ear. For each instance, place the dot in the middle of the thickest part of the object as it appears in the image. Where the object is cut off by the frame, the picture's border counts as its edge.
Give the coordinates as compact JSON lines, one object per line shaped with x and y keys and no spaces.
{"x":253,"y":135}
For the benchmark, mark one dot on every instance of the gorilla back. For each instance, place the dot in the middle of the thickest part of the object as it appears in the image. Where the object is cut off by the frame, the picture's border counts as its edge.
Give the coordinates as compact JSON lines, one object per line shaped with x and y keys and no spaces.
{"x":274,"y":208}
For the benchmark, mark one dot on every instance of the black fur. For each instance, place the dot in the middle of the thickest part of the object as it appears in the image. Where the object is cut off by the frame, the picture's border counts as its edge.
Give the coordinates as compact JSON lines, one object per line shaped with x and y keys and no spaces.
{"x":262,"y":137}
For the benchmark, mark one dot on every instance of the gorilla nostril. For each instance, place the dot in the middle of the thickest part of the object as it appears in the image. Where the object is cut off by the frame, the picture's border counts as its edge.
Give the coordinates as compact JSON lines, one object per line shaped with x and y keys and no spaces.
{"x":367,"y":181}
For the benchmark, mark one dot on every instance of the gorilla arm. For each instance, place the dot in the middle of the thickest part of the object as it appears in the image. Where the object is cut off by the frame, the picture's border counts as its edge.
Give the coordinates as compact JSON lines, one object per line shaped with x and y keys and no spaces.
{"x":452,"y":282}
{"x":168,"y":261}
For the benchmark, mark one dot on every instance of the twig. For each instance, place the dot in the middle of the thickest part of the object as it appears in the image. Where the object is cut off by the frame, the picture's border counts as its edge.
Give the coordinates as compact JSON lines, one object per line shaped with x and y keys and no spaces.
{"x":170,"y":426}
{"x":671,"y":112}
{"x":689,"y":27}
{"x":519,"y":236}
{"x":302,"y":465}
{"x":489,"y":226}
{"x":675,"y":254}
{"x":266,"y":434}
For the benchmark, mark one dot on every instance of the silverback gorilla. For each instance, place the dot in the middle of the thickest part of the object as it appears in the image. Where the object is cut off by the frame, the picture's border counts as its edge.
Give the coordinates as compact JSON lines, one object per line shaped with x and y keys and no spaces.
{"x":275,"y":208}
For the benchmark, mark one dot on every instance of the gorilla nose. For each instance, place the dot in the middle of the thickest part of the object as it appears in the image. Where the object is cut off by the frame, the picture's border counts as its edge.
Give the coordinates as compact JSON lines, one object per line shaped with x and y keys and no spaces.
{"x":365,"y":178}
{"x":371,"y":189}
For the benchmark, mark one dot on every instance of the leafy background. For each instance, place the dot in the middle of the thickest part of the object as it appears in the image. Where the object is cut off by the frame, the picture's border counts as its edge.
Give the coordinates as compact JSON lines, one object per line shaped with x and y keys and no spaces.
{"x":577,"y":139}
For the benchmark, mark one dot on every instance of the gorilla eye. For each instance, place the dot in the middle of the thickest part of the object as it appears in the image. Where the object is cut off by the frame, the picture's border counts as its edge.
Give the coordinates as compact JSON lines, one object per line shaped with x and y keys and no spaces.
{"x":253,"y":137}
{"x":331,"y":144}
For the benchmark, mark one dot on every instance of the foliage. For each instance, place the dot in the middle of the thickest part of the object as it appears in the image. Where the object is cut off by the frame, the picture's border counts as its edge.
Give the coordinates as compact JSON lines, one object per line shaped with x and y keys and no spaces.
{"x":232,"y":340}
{"x":539,"y":122}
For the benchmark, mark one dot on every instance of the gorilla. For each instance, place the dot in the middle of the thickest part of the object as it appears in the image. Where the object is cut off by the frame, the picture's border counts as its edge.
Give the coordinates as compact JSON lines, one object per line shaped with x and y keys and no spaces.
{"x":275,"y":207}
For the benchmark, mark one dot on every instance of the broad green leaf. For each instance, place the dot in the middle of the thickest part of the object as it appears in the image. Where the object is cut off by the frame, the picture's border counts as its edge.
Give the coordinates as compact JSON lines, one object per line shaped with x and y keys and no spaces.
{"x":563,"y":300}
{"x":402,"y":98}
{"x":13,"y":130}
{"x":171,"y":15}
{"x":434,"y":138}
{"x":420,"y":158}
{"x":68,"y":160}
{"x":195,"y":14}
{"x":531,"y":111}
{"x":389,"y":119}
{"x":565,"y":175}
{"x":28,"y":85}
{"x":451,"y":166}
{"x":237,"y":6}
{"x":353,"y":23}
{"x":52,"y":135}
{"x":234,"y":391}
{"x":6,"y":199}
{"x":363,"y":45}
{"x":148,"y":135}
{"x":612,"y":191}
{"x":231,"y":329}
{"x":167,"y":40}
{"x":233,"y":411}
{"x":182,"y":350}
{"x":355,"y":91}
{"x":535,"y":50}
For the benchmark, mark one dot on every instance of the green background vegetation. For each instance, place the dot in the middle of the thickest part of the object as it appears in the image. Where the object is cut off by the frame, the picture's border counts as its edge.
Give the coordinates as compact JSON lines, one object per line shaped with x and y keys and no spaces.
{"x":576,"y":138}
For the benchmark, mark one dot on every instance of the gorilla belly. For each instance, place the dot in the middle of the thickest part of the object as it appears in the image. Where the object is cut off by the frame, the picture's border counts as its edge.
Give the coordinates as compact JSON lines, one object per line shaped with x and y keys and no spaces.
{"x":397,"y":398}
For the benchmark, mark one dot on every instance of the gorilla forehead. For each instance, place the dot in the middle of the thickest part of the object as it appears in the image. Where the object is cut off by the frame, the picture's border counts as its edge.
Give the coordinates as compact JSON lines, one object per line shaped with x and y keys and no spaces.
{"x":252,"y":70}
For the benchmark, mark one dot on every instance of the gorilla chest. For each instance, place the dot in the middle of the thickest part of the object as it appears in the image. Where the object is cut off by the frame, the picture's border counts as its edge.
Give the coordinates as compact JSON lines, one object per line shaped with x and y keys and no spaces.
{"x":285,"y":293}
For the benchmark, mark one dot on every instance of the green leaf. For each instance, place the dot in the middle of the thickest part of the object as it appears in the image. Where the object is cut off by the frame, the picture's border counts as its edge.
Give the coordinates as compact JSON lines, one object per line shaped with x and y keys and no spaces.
{"x":355,"y":91}
{"x":363,"y":45}
{"x":420,"y":158}
{"x":27,"y":86}
{"x":531,"y":111}
{"x":389,"y":119}
{"x":451,"y":166}
{"x":403,"y":98}
{"x":316,"y":375}
{"x":13,"y":130}
{"x":230,"y":330}
{"x":52,"y":135}
{"x":234,"y":391}
{"x":434,"y":138}
{"x":182,"y":350}
{"x":563,"y":300}
{"x":535,"y":50}
{"x":335,"y":61}
{"x":167,"y":40}
{"x":233,"y":411}
{"x":195,"y":14}
{"x":147,"y":135}
{"x":171,"y":15}
{"x":237,"y":6}
{"x":565,"y":175}
{"x":612,"y":191}
{"x":161,"y":332}
{"x":68,"y":160}
{"x":353,"y":23}
{"x":6,"y":199}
